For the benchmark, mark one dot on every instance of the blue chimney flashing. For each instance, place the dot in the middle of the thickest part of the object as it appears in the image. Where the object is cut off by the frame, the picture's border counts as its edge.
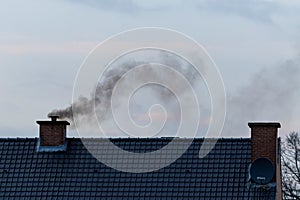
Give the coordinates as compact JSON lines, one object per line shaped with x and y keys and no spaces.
{"x":62,"y":147}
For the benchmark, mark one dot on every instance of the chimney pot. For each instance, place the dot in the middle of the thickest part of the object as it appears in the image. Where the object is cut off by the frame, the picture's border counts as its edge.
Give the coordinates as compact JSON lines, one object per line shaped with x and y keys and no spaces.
{"x":53,"y":117}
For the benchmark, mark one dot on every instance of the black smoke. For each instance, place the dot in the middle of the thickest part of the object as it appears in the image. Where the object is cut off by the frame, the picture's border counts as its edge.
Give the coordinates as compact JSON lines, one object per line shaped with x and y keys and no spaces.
{"x":101,"y":97}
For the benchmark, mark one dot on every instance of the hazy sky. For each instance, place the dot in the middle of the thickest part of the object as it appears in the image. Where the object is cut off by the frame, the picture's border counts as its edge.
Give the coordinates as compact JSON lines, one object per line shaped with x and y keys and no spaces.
{"x":43,"y":43}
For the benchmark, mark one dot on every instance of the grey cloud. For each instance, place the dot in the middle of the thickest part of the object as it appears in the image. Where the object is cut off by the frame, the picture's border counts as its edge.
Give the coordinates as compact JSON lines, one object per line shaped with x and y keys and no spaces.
{"x":260,"y":10}
{"x":114,"y":5}
{"x":252,"y":9}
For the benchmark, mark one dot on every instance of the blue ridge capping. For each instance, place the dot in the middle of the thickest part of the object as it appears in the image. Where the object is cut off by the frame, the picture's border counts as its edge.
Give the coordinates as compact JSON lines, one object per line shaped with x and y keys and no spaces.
{"x":62,"y":147}
{"x":75,"y":174}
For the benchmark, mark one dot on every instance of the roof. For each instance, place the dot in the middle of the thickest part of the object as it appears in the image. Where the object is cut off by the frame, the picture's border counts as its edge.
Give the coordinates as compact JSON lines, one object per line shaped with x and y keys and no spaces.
{"x":76,"y":174}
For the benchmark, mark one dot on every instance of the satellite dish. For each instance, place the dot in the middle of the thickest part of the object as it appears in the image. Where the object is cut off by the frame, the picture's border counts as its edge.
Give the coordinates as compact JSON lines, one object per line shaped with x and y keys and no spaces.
{"x":262,"y":171}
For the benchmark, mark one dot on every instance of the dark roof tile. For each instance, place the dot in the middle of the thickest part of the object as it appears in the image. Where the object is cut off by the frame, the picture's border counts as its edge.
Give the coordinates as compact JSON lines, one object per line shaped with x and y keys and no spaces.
{"x":76,"y":174}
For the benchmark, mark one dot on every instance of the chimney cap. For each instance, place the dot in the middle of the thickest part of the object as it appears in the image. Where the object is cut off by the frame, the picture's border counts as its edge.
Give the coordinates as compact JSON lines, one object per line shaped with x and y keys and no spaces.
{"x":275,"y":124}
{"x":53,"y":120}
{"x":53,"y":117}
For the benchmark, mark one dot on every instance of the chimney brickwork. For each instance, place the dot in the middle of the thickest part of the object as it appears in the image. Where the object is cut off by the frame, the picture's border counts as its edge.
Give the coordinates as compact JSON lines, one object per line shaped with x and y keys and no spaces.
{"x":264,"y":139}
{"x":52,"y":133}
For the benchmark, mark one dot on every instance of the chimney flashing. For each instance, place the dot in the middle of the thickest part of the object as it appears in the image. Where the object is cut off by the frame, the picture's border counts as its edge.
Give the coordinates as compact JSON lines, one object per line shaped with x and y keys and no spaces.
{"x":62,"y":147}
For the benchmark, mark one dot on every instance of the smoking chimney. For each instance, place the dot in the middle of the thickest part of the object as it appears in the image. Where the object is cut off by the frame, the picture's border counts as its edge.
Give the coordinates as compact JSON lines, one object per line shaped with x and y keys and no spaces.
{"x":264,"y":139}
{"x":52,"y":135}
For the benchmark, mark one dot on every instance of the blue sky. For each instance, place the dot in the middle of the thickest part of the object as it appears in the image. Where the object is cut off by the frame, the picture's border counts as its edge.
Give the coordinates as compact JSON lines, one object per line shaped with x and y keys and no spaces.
{"x":43,"y":43}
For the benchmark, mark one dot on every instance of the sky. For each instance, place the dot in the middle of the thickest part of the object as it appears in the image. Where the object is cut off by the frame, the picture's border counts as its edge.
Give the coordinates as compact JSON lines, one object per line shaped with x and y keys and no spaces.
{"x":254,"y":43}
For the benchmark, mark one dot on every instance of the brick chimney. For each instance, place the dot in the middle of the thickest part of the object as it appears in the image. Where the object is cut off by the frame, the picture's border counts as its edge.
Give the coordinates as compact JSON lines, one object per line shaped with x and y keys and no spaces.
{"x":264,"y":139}
{"x":52,"y":135}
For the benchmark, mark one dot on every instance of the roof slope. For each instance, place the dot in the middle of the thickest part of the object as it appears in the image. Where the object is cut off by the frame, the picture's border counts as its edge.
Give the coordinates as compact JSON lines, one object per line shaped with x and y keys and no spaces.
{"x":76,"y":174}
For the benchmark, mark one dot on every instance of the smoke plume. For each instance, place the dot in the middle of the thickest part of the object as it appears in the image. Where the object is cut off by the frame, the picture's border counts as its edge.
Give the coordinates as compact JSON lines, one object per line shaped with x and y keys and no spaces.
{"x":271,"y":95}
{"x":84,"y":106}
